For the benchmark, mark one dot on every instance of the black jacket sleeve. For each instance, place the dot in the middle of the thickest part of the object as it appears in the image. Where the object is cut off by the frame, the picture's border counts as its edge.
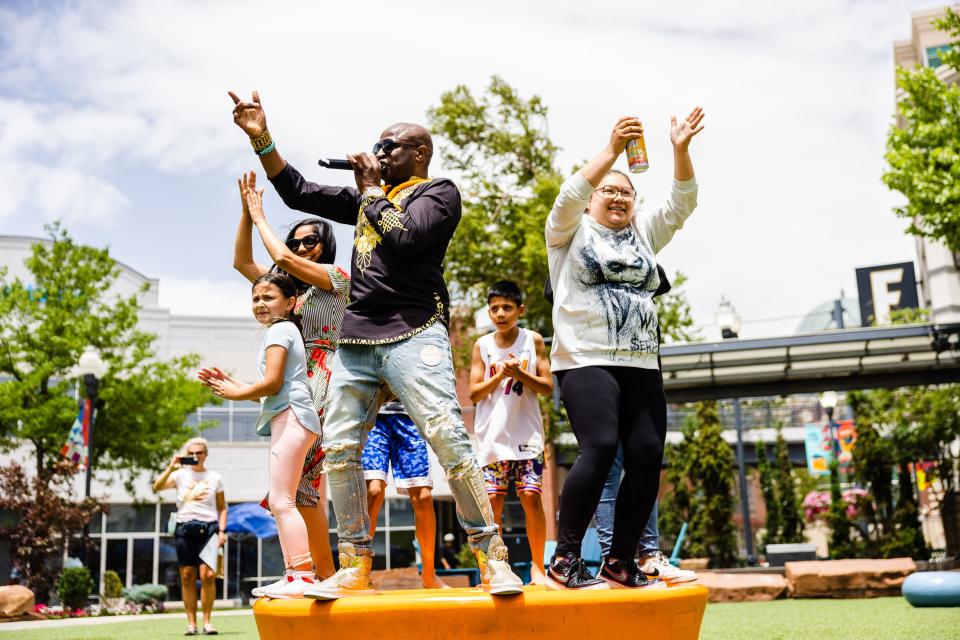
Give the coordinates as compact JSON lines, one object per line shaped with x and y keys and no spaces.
{"x":339,"y":204}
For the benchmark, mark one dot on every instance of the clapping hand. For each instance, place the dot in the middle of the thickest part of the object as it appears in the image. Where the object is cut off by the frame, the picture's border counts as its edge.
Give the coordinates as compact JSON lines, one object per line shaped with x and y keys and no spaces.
{"x":249,"y":116}
{"x":681,"y":133}
{"x":511,"y":366}
{"x":221,"y":383}
{"x":251,"y":198}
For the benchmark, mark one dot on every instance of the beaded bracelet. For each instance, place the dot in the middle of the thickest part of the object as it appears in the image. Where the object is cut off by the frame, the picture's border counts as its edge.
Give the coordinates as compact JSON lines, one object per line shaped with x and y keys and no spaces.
{"x":262,"y":141}
{"x":272,"y":147}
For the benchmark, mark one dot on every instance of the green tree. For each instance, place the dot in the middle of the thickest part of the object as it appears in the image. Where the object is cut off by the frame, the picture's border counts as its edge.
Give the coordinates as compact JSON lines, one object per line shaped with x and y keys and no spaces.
{"x":702,"y":472}
{"x":791,"y":511}
{"x":44,"y":327}
{"x":498,"y":146}
{"x":923,"y":149}
{"x":771,"y":501}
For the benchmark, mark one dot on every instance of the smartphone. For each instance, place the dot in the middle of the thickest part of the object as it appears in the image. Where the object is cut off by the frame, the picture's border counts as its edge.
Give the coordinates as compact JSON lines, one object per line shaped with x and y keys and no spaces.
{"x":335,"y":163}
{"x":189,"y":460}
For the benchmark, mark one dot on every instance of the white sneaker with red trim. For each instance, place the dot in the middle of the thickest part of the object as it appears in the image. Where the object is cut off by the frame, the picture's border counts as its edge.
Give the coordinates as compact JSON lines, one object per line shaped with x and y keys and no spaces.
{"x":259,"y":592}
{"x":297,"y":582}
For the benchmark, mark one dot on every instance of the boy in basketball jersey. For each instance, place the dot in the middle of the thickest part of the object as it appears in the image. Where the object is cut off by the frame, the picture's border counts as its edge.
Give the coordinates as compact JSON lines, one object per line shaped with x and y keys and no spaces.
{"x":510,"y":367}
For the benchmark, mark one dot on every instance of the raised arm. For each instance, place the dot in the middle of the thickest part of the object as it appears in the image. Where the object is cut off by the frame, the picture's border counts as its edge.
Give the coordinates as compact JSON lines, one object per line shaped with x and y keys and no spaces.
{"x":680,"y":135}
{"x":670,"y":217}
{"x":271,"y":383}
{"x":250,"y":117}
{"x":307,"y":270}
{"x":334,"y":203}
{"x":165,"y":480}
{"x":243,"y":244}
{"x":575,"y":192}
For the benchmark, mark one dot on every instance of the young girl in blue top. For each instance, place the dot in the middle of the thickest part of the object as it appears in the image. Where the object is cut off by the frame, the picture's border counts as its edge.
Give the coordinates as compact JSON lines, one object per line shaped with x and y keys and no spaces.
{"x":287,"y":415}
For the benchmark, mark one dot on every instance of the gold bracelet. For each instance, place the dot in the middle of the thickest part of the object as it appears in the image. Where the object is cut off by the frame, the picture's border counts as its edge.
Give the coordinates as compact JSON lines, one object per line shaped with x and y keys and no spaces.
{"x":262,"y":141}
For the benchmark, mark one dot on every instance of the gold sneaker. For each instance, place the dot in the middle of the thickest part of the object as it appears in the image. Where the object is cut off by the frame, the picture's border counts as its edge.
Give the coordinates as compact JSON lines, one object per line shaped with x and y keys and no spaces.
{"x":353,"y":578}
{"x":495,"y":573}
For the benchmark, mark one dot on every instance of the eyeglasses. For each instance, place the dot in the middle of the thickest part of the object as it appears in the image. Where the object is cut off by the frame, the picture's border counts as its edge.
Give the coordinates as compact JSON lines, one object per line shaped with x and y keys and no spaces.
{"x":389,"y":144}
{"x":309,"y":242}
{"x":611,"y":192}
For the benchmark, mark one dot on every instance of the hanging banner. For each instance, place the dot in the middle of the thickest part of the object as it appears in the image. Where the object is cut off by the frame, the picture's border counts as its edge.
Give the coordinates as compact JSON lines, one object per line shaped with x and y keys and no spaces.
{"x":819,"y":449}
{"x":847,"y":438}
{"x":77,"y":449}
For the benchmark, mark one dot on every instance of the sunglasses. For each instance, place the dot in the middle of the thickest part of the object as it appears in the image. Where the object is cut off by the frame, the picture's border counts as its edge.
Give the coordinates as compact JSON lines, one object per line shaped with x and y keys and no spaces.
{"x":196,"y":453}
{"x":389,"y":144}
{"x":309,"y":242}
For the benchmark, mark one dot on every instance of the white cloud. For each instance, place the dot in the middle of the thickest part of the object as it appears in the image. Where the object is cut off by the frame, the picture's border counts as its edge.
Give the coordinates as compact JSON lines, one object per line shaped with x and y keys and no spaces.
{"x":798,"y":97}
{"x":202,"y":297}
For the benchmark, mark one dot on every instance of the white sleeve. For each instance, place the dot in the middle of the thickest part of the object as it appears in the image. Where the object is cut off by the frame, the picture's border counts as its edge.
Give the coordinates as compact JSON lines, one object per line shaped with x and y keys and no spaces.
{"x":660,"y":226}
{"x":568,"y":208}
{"x":283,"y":333}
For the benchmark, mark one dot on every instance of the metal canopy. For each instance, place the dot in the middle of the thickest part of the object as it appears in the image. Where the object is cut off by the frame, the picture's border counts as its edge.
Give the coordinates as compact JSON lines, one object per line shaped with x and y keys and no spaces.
{"x":861,"y":358}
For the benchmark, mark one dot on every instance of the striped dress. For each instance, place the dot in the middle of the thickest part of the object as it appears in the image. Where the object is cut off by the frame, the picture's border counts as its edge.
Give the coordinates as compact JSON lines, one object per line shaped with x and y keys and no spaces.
{"x":321,"y":314}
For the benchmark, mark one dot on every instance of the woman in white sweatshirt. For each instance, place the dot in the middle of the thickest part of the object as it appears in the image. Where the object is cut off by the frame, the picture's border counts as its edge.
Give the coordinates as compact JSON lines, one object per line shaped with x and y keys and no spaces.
{"x":604,"y":273}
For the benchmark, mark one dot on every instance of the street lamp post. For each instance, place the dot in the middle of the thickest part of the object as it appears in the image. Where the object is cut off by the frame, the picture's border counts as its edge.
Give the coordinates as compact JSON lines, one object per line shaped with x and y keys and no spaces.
{"x":729,"y":322}
{"x":91,"y":368}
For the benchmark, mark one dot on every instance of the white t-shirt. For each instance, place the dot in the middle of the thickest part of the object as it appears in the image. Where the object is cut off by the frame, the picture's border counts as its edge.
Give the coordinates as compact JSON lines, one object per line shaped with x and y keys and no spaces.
{"x":508,"y":424}
{"x":604,"y":279}
{"x":197,"y":494}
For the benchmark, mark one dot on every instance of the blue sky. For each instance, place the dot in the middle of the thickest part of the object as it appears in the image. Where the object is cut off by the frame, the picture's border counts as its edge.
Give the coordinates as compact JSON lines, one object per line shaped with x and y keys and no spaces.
{"x":114,"y":118}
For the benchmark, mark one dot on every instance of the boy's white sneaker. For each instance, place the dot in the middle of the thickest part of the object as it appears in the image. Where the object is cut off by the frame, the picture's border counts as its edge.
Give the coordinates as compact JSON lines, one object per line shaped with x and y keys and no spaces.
{"x":659,"y":566}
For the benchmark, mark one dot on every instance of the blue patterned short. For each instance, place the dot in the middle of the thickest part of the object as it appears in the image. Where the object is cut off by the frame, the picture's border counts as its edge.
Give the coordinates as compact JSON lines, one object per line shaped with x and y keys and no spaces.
{"x":395,"y":441}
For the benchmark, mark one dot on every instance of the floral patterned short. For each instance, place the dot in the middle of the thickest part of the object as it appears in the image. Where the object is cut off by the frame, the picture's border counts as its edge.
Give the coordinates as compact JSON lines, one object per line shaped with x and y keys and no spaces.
{"x":527,"y":475}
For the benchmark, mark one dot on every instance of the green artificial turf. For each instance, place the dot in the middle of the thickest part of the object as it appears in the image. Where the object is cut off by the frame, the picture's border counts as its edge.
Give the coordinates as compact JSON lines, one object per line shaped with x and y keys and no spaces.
{"x":870,"y":619}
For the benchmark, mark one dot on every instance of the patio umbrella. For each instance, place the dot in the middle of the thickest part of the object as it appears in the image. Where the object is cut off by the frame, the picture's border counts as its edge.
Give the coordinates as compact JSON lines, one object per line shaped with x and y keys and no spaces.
{"x":250,"y":517}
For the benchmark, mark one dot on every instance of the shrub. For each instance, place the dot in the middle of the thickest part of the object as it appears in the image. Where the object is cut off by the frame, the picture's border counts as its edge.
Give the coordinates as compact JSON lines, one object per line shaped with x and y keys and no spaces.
{"x":112,"y":587}
{"x":146,"y":594}
{"x":74,"y":586}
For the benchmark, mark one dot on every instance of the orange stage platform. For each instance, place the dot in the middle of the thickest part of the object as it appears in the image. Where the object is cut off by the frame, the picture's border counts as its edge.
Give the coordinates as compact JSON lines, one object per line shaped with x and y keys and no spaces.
{"x":670,"y":613}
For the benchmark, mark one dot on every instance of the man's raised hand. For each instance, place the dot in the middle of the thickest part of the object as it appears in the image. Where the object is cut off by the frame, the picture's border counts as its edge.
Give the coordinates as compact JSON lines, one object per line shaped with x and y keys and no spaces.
{"x":249,"y":116}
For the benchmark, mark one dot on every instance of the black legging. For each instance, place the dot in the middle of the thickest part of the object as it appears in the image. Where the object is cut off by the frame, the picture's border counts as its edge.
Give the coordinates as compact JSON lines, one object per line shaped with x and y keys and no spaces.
{"x":607,"y":406}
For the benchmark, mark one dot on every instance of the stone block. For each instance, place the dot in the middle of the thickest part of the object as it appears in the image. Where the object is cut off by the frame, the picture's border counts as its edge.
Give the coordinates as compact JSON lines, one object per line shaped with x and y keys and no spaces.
{"x":847,"y":578}
{"x":743,"y":587}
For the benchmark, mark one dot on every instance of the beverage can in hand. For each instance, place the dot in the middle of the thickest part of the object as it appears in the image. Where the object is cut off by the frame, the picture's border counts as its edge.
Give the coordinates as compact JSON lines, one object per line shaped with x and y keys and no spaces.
{"x":637,"y":155}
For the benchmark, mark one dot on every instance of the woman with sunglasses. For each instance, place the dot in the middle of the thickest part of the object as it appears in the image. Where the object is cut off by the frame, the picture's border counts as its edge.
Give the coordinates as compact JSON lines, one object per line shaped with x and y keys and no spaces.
{"x":603,"y":269}
{"x":201,"y":514}
{"x":306,"y":256}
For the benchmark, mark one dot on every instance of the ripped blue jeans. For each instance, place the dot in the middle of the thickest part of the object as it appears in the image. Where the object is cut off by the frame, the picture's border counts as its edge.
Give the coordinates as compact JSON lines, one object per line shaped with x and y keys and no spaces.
{"x":419,"y":370}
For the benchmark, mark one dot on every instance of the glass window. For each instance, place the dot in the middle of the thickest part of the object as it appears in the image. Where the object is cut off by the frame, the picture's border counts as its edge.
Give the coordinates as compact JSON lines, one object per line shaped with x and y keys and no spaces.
{"x":168,"y":571}
{"x":402,"y":553}
{"x":217,"y":422}
{"x":379,"y":544}
{"x":90,"y":556}
{"x":143,"y":561}
{"x":401,"y":512}
{"x":167,"y":510}
{"x":933,"y":55}
{"x":272,"y":558}
{"x":242,"y":565}
{"x":96,"y":522}
{"x":125,"y":518}
{"x":245,"y":425}
{"x":117,"y":558}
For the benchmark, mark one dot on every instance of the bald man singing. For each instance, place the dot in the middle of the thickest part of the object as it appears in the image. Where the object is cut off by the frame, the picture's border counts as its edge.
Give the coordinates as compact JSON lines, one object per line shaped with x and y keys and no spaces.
{"x":394,"y":335}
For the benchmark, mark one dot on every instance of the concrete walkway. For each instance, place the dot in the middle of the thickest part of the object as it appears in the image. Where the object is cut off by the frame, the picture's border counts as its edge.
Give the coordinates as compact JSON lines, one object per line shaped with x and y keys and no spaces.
{"x":77,"y":622}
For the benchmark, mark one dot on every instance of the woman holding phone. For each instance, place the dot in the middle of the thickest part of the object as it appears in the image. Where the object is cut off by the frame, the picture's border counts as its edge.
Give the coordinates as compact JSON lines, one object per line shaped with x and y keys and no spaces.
{"x":201,"y":514}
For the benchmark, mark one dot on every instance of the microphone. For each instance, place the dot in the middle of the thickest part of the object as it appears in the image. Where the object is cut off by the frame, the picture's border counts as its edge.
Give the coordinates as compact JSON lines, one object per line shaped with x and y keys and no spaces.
{"x":335,"y":163}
